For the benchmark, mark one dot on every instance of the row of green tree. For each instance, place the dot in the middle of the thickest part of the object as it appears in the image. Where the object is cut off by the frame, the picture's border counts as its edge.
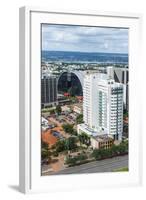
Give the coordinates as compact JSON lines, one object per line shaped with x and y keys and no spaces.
{"x":115,"y":150}
{"x":78,"y":159}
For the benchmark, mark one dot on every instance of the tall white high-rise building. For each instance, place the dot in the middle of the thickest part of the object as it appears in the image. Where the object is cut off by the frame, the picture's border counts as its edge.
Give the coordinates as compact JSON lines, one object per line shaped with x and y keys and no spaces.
{"x":103,"y":105}
{"x":90,"y":100}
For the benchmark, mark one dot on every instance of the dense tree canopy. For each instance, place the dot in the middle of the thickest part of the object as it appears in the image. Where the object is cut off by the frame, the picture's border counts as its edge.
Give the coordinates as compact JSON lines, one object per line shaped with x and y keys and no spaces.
{"x":68,"y":128}
{"x":79,"y":119}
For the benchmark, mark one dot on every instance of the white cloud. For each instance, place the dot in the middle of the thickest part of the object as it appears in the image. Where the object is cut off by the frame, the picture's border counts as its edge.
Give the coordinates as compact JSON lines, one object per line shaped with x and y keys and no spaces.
{"x":81,"y":38}
{"x":106,"y":45}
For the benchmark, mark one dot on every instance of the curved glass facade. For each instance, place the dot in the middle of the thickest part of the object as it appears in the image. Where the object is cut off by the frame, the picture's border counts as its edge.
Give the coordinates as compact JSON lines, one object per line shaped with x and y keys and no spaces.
{"x":70,"y":83}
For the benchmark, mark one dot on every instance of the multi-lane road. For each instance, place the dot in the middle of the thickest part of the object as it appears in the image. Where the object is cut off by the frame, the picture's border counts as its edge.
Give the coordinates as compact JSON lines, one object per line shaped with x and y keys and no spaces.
{"x":107,"y":165}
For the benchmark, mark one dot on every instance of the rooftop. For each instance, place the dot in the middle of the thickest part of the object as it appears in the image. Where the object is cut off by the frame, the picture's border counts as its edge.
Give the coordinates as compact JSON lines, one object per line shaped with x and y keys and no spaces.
{"x":49,"y":138}
{"x":103,"y":138}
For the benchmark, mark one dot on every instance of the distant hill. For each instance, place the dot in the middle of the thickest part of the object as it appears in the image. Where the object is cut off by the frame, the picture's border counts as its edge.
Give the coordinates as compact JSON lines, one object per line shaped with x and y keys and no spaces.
{"x":70,"y":56}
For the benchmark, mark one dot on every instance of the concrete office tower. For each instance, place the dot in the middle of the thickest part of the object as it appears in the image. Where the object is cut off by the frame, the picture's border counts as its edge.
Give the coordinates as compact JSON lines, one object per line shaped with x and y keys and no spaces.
{"x":103,"y":105}
{"x":48,"y":90}
{"x":110,"y":72}
{"x":121,"y":75}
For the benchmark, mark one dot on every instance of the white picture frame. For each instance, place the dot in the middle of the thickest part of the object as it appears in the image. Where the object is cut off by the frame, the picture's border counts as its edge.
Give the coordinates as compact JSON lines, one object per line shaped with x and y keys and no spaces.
{"x":30,"y":177}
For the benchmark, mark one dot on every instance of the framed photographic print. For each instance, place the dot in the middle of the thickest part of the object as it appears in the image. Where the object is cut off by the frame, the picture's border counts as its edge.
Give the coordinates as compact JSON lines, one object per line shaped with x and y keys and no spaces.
{"x":79,"y":97}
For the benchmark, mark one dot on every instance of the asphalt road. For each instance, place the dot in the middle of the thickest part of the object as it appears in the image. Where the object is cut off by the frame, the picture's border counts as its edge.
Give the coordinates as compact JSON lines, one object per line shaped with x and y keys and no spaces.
{"x":107,"y":165}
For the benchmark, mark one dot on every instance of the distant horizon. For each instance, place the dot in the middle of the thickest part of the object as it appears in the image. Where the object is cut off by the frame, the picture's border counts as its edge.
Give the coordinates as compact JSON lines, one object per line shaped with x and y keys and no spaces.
{"x":78,"y":56}
{"x":84,"y":52}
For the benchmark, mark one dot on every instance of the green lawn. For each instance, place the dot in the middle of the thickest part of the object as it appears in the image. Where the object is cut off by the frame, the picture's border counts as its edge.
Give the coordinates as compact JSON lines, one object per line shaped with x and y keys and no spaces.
{"x":124,"y":169}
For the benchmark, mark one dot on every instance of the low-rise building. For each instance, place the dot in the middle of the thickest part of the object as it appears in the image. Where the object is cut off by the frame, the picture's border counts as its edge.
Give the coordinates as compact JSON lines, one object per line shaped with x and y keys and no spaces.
{"x":44,"y":121}
{"x":102,"y":142}
{"x":44,"y":124}
{"x":65,"y":108}
{"x":78,"y":109}
{"x":83,"y":128}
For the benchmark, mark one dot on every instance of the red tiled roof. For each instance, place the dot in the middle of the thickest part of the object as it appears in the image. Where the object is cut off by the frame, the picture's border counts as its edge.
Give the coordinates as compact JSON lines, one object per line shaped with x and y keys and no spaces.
{"x":66,"y":94}
{"x":48,"y":138}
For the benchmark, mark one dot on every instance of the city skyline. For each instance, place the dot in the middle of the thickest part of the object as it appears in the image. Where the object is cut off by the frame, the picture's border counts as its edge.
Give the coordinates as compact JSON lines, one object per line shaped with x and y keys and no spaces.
{"x":84,"y":99}
{"x":84,"y":39}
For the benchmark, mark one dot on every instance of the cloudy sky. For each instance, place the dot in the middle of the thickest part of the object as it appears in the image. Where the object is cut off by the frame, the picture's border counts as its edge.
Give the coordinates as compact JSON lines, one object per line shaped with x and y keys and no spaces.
{"x":84,"y":39}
